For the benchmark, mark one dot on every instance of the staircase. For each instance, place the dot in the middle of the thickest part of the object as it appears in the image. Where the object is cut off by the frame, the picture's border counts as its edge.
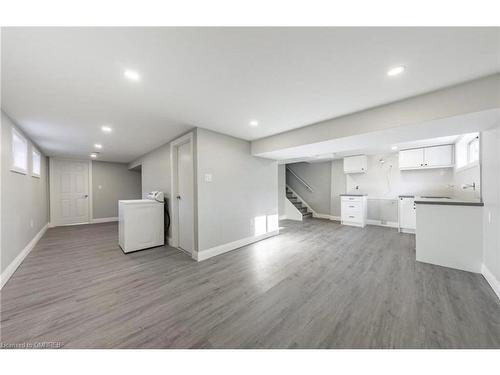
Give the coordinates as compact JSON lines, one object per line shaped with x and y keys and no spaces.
{"x":294,"y":200}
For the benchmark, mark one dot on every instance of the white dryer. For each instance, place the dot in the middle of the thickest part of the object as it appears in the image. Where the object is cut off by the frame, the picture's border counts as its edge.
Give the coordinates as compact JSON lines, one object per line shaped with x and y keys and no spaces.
{"x":140,"y":224}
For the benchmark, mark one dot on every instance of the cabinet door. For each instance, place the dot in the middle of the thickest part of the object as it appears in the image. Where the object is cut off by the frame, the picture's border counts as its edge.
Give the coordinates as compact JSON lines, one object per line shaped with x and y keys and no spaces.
{"x":411,"y":158}
{"x":407,"y":213}
{"x":438,"y":156}
{"x":355,"y":164}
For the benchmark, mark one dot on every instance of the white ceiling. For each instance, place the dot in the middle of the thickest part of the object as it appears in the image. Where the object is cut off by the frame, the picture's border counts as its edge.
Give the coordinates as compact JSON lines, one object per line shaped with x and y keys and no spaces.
{"x":62,"y":84}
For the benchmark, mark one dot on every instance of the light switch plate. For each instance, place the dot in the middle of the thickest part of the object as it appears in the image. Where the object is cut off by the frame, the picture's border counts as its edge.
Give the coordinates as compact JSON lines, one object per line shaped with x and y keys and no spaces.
{"x":208,"y":177}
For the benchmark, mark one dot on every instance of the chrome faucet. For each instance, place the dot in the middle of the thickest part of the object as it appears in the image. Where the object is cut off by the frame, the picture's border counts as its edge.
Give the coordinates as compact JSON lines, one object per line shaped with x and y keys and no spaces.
{"x":469,"y":186}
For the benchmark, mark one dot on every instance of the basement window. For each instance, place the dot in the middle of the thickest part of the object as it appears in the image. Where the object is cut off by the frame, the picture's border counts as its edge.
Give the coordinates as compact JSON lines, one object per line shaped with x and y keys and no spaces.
{"x":467,"y":151}
{"x":473,"y":150}
{"x":19,"y":154}
{"x":35,"y":163}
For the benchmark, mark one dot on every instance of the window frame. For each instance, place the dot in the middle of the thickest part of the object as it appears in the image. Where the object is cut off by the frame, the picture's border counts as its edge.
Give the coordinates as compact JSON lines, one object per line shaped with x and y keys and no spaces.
{"x":33,"y":152}
{"x":466,"y":142}
{"x":469,"y":144}
{"x":13,"y":167}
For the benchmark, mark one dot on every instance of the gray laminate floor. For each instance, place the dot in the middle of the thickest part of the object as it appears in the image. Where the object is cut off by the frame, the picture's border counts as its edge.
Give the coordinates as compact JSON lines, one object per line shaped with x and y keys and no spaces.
{"x":317,"y":285}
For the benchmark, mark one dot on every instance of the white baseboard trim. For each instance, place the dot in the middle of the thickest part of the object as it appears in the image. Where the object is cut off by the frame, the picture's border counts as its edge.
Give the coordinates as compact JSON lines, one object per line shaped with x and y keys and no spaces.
{"x":12,"y":267}
{"x":282,"y":217}
{"x":321,"y":216}
{"x":390,"y":224}
{"x":104,"y":220}
{"x":491,"y":279}
{"x":408,"y":231}
{"x":326,"y":216}
{"x":217,"y":250}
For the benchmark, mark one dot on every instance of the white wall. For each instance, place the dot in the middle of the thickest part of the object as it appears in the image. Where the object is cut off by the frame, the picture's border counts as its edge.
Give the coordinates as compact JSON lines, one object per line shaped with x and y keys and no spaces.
{"x":242,"y":192}
{"x":24,"y":200}
{"x":491,"y":197}
{"x":385,"y":180}
{"x":467,"y":176}
{"x":382,"y":180}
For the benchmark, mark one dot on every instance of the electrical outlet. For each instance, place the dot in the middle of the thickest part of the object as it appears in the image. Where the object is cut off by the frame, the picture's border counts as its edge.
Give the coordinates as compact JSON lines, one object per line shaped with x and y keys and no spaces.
{"x":208,"y":177}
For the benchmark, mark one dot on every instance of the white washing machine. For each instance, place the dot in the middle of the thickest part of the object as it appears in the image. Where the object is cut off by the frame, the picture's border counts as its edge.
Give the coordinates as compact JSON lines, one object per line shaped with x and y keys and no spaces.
{"x":140,"y":224}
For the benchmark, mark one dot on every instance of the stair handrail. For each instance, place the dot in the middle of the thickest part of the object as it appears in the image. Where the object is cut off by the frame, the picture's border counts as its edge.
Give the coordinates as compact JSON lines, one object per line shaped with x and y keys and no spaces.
{"x":308,"y":187}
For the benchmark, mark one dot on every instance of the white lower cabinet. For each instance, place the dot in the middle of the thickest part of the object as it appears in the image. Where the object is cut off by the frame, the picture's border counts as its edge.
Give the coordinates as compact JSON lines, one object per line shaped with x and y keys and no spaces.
{"x":407,"y":214}
{"x":353,"y":210}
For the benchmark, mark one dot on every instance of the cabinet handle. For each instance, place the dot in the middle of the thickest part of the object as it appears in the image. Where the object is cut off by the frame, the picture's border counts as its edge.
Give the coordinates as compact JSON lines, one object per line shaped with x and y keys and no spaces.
{"x":351,"y":206}
{"x":352,"y":217}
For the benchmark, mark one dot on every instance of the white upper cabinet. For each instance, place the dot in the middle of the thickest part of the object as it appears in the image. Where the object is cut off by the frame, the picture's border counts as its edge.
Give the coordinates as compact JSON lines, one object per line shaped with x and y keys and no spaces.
{"x":411,"y":159}
{"x":426,"y":157}
{"x":355,"y":164}
{"x":439,"y":156}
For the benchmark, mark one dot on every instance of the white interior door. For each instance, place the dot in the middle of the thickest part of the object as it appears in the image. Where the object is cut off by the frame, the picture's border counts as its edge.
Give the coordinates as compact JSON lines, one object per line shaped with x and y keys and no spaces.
{"x":69,"y":187}
{"x":184,"y":197}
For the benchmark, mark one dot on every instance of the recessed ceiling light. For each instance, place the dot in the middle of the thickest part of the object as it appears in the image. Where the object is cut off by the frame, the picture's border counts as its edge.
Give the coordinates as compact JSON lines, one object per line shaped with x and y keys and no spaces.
{"x":396,"y":70}
{"x":254,"y":123}
{"x":106,"y":129}
{"x":98,"y":145}
{"x":132,"y":75}
{"x":394,"y":148}
{"x":93,"y":155}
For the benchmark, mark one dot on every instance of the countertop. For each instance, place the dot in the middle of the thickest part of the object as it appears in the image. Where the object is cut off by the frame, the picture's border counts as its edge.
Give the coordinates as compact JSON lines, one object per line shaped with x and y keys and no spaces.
{"x":422,"y":200}
{"x":447,"y":202}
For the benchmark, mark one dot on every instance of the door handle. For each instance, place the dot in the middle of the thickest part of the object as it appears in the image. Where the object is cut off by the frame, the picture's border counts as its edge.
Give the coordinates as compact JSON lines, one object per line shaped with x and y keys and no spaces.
{"x":178,"y":197}
{"x":86,"y":196}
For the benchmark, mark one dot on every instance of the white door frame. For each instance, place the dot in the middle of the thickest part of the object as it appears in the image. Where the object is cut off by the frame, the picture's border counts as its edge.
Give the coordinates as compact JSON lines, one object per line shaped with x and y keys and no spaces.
{"x":174,"y":206}
{"x":52,"y":195}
